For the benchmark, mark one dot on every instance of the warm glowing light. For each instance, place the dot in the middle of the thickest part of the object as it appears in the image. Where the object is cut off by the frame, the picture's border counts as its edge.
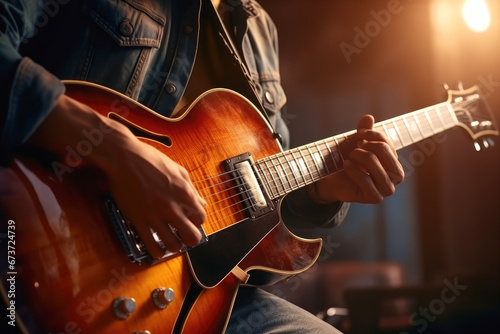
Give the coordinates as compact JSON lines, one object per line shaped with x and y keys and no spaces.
{"x":476,"y":15}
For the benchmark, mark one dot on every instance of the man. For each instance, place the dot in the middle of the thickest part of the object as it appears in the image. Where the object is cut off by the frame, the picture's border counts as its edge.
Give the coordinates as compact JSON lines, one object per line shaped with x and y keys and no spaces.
{"x":164,"y":54}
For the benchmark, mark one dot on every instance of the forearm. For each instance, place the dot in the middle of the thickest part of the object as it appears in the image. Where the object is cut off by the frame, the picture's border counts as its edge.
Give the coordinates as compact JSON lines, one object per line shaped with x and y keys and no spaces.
{"x":28,"y":91}
{"x":72,"y":123}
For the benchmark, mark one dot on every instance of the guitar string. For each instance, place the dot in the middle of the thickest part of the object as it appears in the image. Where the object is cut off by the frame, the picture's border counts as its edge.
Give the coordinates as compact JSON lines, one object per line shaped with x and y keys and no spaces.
{"x":279,"y":177}
{"x":269,"y":157}
{"x":225,"y":208}
{"x":434,"y":118}
{"x":314,"y":177}
{"x":308,"y":160}
{"x":284,"y":177}
{"x":313,"y":174}
{"x":241,"y":210}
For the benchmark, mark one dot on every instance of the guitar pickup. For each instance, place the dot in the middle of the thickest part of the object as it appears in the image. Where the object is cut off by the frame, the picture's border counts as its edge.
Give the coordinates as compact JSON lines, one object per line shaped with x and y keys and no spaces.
{"x":132,"y":243}
{"x":256,"y":201}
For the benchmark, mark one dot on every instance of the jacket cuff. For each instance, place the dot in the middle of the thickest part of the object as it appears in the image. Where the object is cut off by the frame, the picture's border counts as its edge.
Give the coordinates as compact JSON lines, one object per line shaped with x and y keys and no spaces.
{"x":298,"y":209}
{"x":33,"y":95}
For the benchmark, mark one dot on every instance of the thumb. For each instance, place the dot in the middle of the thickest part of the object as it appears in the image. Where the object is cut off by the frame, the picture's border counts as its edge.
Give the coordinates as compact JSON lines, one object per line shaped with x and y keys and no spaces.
{"x":366,"y":122}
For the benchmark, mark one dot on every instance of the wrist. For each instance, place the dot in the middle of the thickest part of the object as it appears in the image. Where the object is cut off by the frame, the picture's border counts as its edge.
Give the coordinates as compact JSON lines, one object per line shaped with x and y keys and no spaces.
{"x":79,"y":135}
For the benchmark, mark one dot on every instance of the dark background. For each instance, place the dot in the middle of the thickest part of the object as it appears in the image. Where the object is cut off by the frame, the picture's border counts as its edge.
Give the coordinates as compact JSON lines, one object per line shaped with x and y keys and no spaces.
{"x":444,"y":220}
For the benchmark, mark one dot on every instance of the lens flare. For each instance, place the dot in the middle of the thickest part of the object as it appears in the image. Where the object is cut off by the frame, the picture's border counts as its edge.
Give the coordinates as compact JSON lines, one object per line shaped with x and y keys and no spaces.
{"x":476,"y":15}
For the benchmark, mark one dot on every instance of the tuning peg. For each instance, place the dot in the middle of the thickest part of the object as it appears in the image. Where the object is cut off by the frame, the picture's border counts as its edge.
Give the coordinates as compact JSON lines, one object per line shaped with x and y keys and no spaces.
{"x":460,"y":86}
{"x":486,"y":144}
{"x":446,"y":86}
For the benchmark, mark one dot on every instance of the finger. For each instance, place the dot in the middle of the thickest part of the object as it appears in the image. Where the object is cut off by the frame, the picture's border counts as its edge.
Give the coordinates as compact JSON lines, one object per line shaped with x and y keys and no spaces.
{"x":197,"y":197}
{"x":369,"y":135}
{"x":194,"y":211}
{"x":369,"y":163}
{"x":386,"y":157}
{"x":366,"y":123}
{"x":141,"y":219}
{"x":168,"y":239}
{"x":194,"y":196}
{"x":193,"y":206}
{"x":186,"y":229}
{"x":369,"y":193}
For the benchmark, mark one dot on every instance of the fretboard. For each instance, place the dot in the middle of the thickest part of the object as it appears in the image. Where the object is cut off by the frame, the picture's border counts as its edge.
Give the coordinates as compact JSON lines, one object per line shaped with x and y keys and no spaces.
{"x":284,"y":172}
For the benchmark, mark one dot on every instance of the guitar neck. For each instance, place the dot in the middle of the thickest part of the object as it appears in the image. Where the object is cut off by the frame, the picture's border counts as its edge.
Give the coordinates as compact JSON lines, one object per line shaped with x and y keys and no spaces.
{"x":287,"y":171}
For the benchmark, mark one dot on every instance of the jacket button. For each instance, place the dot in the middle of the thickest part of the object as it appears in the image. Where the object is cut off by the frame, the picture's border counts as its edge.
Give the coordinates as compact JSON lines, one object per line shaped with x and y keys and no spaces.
{"x":126,"y":28}
{"x":170,"y":88}
{"x":269,"y":97}
{"x":188,"y":29}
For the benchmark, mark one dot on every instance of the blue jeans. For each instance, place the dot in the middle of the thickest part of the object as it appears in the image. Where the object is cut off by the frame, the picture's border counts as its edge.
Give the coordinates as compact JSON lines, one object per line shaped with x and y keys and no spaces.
{"x":258,"y":311}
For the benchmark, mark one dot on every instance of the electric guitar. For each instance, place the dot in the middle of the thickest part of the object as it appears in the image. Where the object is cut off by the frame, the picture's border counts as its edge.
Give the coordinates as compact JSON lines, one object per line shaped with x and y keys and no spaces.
{"x":79,"y":266}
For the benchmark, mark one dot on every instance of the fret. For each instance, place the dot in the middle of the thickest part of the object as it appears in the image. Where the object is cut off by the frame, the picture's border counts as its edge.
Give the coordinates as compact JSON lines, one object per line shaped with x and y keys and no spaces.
{"x":452,"y":113}
{"x":424,"y":124}
{"x":448,"y":117}
{"x":304,"y":161}
{"x":292,"y":172}
{"x":280,"y":178}
{"x":440,"y":117}
{"x":298,"y":166}
{"x":393,"y":135}
{"x":414,"y":129}
{"x":346,"y":139}
{"x":315,"y":162}
{"x":267,"y":183}
{"x":331,"y":155}
{"x":398,"y":133}
{"x":318,"y":148}
{"x":417,"y":122}
{"x":284,"y":171}
{"x":430,"y":122}
{"x":338,"y":150}
{"x":275,"y":191}
{"x":296,"y":170}
{"x":337,"y":155}
{"x":404,"y":131}
{"x":407,"y":127}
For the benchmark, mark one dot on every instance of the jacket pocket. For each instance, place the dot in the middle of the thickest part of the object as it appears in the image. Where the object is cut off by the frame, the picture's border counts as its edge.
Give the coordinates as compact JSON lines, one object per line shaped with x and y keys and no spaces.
{"x":128,"y":25}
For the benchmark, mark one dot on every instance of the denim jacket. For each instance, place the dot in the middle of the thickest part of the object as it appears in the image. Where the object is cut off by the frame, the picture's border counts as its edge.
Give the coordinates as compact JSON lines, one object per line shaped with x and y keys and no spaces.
{"x":132,"y":46}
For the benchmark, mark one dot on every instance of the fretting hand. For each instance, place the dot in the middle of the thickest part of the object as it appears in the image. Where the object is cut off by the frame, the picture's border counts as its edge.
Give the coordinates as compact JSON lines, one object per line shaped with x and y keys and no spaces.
{"x":370,"y":173}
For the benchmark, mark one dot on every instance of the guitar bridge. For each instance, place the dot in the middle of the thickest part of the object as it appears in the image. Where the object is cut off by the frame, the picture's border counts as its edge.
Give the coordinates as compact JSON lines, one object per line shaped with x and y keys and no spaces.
{"x":132,"y":243}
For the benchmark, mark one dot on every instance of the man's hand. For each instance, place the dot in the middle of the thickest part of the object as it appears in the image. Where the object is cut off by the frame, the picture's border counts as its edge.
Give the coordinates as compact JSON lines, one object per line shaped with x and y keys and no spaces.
{"x":370,"y":173}
{"x":151,"y":190}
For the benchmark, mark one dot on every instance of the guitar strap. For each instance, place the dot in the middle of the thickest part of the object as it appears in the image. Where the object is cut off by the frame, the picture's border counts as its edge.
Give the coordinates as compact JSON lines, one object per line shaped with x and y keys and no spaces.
{"x":245,"y":82}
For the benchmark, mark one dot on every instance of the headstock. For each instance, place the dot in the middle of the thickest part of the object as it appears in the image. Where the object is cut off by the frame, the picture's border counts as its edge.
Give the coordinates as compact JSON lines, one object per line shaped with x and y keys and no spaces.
{"x":474,"y":115}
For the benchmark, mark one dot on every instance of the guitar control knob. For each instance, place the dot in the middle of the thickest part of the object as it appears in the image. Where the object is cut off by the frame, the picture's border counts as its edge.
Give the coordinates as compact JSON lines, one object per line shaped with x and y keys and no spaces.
{"x":162,"y":297}
{"x":123,"y":307}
